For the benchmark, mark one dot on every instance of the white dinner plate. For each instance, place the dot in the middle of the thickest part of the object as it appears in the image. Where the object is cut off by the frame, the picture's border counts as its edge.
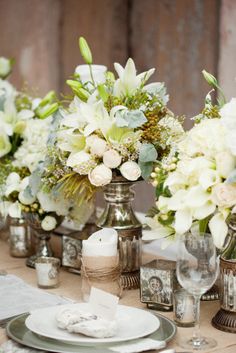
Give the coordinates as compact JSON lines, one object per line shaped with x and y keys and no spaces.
{"x":132,"y":323}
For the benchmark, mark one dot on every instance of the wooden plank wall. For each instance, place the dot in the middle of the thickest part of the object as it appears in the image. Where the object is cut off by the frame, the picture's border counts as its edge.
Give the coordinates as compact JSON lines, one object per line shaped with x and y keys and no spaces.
{"x":178,"y":37}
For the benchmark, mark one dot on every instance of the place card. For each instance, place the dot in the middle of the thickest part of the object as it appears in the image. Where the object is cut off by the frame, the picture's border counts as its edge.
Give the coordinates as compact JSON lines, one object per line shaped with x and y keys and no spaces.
{"x":103,"y":304}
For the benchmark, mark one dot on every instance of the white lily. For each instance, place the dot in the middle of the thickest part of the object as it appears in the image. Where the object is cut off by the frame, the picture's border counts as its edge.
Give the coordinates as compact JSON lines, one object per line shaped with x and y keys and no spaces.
{"x":128,"y":81}
{"x":70,"y":141}
{"x":158,"y":230}
{"x":96,"y":116}
{"x":219,"y":229}
{"x":204,"y":211}
{"x":183,"y":221}
{"x":208,"y":178}
{"x":8,"y":117}
{"x":197,"y":197}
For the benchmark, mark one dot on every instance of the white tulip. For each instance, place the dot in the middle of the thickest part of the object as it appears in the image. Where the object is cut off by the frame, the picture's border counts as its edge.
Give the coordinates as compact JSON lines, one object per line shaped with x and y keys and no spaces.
{"x":130,"y":170}
{"x":112,"y":159}
{"x":100,"y":175}
{"x":48,"y":223}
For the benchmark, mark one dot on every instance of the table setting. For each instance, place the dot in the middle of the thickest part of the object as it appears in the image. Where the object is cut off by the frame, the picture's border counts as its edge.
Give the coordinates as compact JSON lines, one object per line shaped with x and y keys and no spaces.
{"x":76,"y":278}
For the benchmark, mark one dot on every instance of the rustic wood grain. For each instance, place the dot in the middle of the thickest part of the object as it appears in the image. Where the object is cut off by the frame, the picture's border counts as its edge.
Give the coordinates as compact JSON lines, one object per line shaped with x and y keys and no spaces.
{"x":227,"y":48}
{"x":104,"y":23}
{"x":180,"y":39}
{"x":29,"y":33}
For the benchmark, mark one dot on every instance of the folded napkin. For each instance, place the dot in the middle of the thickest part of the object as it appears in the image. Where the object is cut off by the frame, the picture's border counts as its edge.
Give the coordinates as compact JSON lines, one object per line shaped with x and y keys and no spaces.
{"x":13,"y":347}
{"x":18,"y":297}
{"x":140,"y":345}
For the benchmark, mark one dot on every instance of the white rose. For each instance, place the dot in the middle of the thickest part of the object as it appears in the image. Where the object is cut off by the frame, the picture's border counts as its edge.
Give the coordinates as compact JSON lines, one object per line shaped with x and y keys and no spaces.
{"x":130,"y":170}
{"x":111,"y":159}
{"x":97,"y":146}
{"x":49,"y":223}
{"x":5,"y":67}
{"x":78,"y":158}
{"x":5,"y":145}
{"x":225,"y":163}
{"x":100,"y":175}
{"x":224,"y":195}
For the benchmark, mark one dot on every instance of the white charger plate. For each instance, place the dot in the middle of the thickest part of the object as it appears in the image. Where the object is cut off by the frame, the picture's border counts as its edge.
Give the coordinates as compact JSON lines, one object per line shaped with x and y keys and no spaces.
{"x":132,"y":323}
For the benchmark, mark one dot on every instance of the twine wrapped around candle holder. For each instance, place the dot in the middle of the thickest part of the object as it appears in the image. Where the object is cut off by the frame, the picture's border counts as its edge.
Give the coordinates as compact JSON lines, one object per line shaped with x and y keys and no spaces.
{"x":101,"y":272}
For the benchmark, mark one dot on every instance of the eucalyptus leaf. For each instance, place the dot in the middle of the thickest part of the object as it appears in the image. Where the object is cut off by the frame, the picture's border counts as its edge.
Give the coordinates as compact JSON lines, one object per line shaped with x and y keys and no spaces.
{"x":130,"y":118}
{"x":147,"y":153}
{"x":35,"y":180}
{"x":232,"y":177}
{"x":57,"y":117}
{"x":146,"y":169}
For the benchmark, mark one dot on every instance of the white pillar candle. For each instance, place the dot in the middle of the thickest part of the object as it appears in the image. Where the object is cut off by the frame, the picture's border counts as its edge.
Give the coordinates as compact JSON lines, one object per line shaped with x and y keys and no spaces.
{"x":101,"y":243}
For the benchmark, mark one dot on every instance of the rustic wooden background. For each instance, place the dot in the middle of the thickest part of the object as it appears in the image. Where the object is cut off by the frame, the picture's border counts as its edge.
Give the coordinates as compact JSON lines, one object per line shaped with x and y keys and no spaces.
{"x":177,"y":37}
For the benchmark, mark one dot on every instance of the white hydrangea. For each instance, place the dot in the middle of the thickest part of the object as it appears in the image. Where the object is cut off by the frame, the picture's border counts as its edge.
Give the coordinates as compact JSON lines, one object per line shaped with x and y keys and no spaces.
{"x":34,"y":143}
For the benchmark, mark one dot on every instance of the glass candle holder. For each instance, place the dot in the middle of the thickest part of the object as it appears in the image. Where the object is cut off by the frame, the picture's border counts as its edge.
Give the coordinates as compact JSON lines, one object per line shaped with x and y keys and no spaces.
{"x":47,"y":269}
{"x":20,"y":237}
{"x":184,"y":308}
{"x":100,"y":272}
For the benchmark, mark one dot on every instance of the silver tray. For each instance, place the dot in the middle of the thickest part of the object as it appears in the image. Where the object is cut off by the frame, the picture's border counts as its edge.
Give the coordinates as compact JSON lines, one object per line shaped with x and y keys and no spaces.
{"x":18,"y":332}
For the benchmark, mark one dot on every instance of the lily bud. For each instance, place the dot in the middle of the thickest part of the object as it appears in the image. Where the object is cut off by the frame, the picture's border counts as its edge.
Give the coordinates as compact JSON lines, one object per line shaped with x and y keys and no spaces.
{"x":43,"y":113}
{"x":85,"y":51}
{"x":19,"y":127}
{"x":211,"y":80}
{"x":82,"y":94}
{"x":5,"y":67}
{"x":103,"y":93}
{"x":110,"y":76}
{"x":50,"y":96}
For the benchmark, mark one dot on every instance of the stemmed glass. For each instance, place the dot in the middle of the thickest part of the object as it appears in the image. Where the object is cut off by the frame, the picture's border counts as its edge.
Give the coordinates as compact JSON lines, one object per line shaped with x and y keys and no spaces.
{"x":197,"y":269}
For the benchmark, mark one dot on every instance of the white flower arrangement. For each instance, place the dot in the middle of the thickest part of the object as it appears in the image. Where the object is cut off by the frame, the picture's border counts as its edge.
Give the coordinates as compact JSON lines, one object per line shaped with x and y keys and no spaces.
{"x":199,"y":191}
{"x":112,"y":127}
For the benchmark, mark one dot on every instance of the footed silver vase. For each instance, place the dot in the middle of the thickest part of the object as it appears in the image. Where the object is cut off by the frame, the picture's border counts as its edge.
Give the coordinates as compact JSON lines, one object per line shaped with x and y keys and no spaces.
{"x":118,"y":214}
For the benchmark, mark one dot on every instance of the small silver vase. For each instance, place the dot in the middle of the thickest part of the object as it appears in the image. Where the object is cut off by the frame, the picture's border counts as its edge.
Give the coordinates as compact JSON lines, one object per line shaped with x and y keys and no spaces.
{"x":118,"y":214}
{"x":43,"y":247}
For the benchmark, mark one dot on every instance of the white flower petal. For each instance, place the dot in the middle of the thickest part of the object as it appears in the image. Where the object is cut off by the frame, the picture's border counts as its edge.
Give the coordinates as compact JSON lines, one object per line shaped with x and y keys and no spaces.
{"x":219,"y":229}
{"x":208,"y":178}
{"x":204,"y":211}
{"x":197,"y":197}
{"x":183,"y":221}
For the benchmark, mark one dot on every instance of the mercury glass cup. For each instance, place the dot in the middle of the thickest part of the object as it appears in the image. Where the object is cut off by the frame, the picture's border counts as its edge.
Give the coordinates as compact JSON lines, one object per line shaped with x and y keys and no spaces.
{"x":197,"y":269}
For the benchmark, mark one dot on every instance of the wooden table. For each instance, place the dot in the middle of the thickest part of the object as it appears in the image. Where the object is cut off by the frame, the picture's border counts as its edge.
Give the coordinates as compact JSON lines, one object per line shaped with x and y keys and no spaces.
{"x":71,"y":287}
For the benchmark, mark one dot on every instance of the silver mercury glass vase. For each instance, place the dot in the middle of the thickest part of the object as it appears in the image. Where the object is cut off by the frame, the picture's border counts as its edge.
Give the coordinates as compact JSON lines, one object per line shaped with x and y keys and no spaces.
{"x":118,"y":214}
{"x":43,"y":247}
